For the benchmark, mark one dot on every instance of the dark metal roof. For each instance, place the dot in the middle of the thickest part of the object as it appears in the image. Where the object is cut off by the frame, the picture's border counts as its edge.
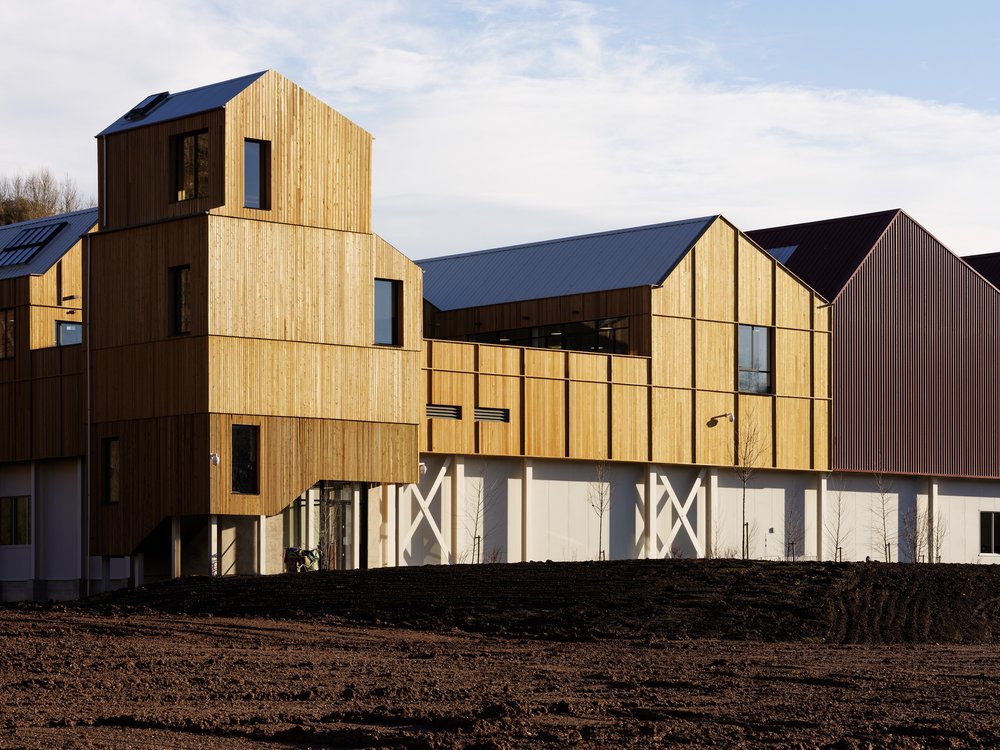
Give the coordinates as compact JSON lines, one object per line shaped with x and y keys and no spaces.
{"x":620,"y":259}
{"x":987,"y":265}
{"x":41,"y":260}
{"x":186,"y":103}
{"x":825,"y":254}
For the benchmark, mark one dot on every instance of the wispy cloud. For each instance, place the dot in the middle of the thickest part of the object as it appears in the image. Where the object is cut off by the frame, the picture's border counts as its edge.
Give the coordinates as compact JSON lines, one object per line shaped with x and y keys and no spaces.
{"x":506,"y":122}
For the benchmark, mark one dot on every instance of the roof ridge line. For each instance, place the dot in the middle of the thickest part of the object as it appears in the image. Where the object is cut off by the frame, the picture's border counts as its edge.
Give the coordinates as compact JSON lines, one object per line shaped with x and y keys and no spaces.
{"x":556,"y":240}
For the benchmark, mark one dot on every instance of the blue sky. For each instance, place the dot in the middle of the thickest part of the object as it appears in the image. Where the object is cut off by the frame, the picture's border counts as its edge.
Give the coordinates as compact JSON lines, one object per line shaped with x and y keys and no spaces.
{"x":519,"y":120}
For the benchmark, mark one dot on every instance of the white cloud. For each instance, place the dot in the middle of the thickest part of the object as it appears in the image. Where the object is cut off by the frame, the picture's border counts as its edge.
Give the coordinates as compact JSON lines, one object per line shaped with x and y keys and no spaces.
{"x":508,"y":122}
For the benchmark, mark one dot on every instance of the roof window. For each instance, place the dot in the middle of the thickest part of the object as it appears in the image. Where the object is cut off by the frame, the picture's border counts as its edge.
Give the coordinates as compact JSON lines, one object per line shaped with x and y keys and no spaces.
{"x":146,"y":106}
{"x":27,"y":242}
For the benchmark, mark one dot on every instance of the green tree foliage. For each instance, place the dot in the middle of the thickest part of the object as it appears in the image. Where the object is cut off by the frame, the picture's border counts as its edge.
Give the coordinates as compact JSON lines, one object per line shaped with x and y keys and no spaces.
{"x":36,"y":195}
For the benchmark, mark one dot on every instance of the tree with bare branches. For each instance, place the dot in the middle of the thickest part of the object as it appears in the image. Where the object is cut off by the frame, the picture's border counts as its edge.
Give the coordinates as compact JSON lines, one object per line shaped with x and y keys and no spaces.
{"x":749,"y":449}
{"x":36,"y":195}
{"x":477,"y":521}
{"x":837,"y":533}
{"x":882,"y":526}
{"x":599,"y":497}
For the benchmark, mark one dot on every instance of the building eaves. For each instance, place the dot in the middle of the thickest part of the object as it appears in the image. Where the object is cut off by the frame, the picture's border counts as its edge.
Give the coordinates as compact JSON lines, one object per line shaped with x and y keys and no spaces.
{"x":186,"y":103}
{"x":619,"y":259}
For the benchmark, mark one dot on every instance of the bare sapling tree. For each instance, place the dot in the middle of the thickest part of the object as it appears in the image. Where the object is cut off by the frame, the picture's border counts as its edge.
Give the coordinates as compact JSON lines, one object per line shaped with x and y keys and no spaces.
{"x":478,"y":520}
{"x":749,"y":449}
{"x":599,"y":497}
{"x":882,"y":525}
{"x":938,"y":534}
{"x":37,"y":195}
{"x":837,"y":531}
{"x":913,"y":533}
{"x":794,"y":529}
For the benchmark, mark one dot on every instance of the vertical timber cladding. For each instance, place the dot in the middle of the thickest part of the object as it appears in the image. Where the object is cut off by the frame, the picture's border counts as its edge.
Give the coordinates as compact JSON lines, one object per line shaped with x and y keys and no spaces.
{"x":148,"y":387}
{"x":164,"y":472}
{"x":724,"y":281}
{"x":136,"y":186}
{"x":320,"y":162}
{"x":291,"y":349}
{"x":917,"y":333}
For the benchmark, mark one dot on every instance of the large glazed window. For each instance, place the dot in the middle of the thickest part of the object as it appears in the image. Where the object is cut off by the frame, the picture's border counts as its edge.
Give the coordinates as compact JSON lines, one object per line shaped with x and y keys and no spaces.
{"x":989,"y":532}
{"x":245,"y":440}
{"x":7,"y":333}
{"x":387,"y":323}
{"x":755,"y":359}
{"x":190,"y":166}
{"x":256,"y":177}
{"x":180,"y":300}
{"x":15,"y":520}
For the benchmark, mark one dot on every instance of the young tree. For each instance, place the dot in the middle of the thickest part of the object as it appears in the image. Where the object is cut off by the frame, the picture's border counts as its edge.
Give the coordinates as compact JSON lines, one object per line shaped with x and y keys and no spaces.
{"x":837,"y":533}
{"x":749,"y":449}
{"x":599,"y":497}
{"x":478,"y":523}
{"x":914,"y":534}
{"x":882,"y":526}
{"x":36,"y":195}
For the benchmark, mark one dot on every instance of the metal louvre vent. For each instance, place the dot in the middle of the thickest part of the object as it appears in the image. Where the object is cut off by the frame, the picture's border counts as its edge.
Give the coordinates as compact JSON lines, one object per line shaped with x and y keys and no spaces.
{"x":444,"y":411}
{"x":491,"y":414}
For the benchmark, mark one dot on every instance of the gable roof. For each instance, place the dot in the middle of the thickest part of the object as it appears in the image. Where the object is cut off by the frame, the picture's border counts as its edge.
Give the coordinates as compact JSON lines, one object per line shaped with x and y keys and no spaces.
{"x":986,"y":265}
{"x":825,"y":254}
{"x":640,"y":256}
{"x":184,"y":103}
{"x":76,"y":223}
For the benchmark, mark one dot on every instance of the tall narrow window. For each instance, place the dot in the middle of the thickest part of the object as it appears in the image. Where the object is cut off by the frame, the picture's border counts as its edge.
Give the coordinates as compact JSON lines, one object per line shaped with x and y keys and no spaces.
{"x":256,"y":174}
{"x":190,"y":169}
{"x":387,"y":322}
{"x":111,"y":474}
{"x":15,"y":520}
{"x":245,"y":440}
{"x":755,"y":359}
{"x":180,"y":300}
{"x":68,"y":332}
{"x":7,"y":333}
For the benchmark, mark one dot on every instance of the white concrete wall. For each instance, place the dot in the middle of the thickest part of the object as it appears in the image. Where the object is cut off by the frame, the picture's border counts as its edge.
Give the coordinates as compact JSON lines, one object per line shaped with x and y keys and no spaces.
{"x":959,"y":504}
{"x":59,"y":508}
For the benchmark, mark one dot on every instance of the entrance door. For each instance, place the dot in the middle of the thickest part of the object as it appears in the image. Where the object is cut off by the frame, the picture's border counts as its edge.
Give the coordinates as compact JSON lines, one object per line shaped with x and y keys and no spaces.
{"x":336,"y":526}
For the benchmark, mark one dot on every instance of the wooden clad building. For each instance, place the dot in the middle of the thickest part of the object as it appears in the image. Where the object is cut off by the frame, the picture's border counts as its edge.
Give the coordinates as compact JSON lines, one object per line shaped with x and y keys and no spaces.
{"x":238,"y":333}
{"x":222,"y":363}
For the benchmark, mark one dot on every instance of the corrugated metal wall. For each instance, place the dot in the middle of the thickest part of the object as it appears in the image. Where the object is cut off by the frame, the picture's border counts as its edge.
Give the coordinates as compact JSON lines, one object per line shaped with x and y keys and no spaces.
{"x":915,"y":362}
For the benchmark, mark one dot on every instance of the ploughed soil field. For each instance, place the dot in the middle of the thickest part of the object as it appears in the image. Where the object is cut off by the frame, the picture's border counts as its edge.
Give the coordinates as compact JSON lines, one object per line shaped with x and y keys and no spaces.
{"x":603,"y":655}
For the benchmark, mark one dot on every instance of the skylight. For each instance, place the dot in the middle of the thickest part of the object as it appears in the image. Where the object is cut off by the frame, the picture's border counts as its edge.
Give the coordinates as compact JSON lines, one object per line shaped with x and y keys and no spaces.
{"x":146,"y":106}
{"x":27,"y":242}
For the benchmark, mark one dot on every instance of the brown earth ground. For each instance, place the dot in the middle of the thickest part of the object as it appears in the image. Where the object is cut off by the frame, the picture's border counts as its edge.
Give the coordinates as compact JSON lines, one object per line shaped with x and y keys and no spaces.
{"x":602,"y":655}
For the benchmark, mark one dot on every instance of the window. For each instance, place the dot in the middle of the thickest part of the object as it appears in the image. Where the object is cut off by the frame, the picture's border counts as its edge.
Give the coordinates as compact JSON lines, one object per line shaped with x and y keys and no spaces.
{"x":7,"y":333}
{"x":387,"y":294}
{"x":68,"y":332}
{"x":15,"y":520}
{"x":245,"y":439}
{"x":190,"y":169}
{"x":180,"y":300}
{"x":989,"y":532}
{"x":444,"y":411}
{"x":608,"y":335}
{"x":111,"y":466}
{"x":256,"y":174}
{"x":755,"y":359}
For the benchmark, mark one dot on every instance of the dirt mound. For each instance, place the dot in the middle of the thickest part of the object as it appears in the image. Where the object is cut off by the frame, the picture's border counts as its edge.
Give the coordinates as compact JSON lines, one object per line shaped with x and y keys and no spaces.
{"x":653,"y":600}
